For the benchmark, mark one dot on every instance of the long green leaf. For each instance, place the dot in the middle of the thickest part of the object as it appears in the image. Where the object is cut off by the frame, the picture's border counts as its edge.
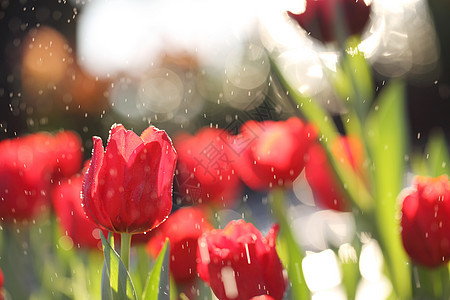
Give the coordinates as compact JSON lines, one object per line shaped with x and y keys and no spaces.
{"x":299,"y":289}
{"x":437,"y":155}
{"x":386,"y":138}
{"x":158,"y":281}
{"x":353,"y":184}
{"x":119,"y":278}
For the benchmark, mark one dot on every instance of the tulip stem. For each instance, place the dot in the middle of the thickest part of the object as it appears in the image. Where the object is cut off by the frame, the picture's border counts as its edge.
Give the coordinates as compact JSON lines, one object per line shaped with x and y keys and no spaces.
{"x":125,"y":243}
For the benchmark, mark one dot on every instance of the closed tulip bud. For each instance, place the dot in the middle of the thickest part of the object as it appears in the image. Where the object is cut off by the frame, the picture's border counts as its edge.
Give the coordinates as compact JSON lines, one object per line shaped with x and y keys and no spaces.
{"x":26,"y":168}
{"x":272,"y":152}
{"x":205,"y":172}
{"x":426,"y":221}
{"x":128,"y":187}
{"x":324,"y":19}
{"x":239,"y":263}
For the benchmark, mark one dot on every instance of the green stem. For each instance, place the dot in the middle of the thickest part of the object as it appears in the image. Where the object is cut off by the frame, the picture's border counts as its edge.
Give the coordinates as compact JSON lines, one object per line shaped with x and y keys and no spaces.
{"x":295,"y":253}
{"x":125,"y":243}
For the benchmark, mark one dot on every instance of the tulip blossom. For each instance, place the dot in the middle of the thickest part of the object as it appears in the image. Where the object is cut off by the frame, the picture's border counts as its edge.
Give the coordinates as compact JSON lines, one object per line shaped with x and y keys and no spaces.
{"x":426,"y":221}
{"x":239,"y":263}
{"x":271,"y":152}
{"x":128,"y":187}
{"x":26,"y":168}
{"x":66,"y":198}
{"x":205,"y":172}
{"x":183,"y":228}
{"x":328,"y":191}
{"x":325,"y":19}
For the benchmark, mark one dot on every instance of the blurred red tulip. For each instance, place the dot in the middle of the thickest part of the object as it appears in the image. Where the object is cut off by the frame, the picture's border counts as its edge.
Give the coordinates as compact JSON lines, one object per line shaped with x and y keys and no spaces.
{"x":128,"y":187}
{"x":271,"y":153}
{"x":26,"y":168}
{"x":68,"y":149}
{"x":325,"y":19}
{"x":239,"y":263}
{"x":205,"y":173}
{"x":74,"y":223}
{"x":328,"y":191}
{"x":426,"y":221}
{"x":183,"y":228}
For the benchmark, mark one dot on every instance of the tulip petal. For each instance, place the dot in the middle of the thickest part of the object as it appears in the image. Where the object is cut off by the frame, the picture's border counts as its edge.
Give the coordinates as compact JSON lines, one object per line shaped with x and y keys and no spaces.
{"x":126,"y":140}
{"x":111,"y":184}
{"x":147,"y":203}
{"x":168,"y":157}
{"x":92,"y":204}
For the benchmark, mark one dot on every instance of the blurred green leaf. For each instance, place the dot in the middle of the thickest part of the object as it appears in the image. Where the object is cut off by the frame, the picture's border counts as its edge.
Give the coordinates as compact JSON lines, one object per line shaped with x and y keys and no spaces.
{"x":386,"y":138}
{"x":431,"y":283}
{"x":437,"y":154}
{"x":158,"y":282}
{"x":293,"y":265}
{"x":119,"y":278}
{"x":328,"y":134}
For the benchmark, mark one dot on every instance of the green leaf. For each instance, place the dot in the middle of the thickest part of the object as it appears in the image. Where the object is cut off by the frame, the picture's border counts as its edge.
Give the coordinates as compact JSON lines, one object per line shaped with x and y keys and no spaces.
{"x":293,"y":265}
{"x":386,"y":139}
{"x":328,"y":134}
{"x":158,"y":281}
{"x":437,"y":155}
{"x":119,"y":278}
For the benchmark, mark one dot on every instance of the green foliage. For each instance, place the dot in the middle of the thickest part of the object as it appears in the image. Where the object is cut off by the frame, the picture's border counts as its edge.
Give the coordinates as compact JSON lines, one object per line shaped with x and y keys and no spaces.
{"x":386,"y":139}
{"x":114,"y":272}
{"x":294,"y":254}
{"x":158,"y":281}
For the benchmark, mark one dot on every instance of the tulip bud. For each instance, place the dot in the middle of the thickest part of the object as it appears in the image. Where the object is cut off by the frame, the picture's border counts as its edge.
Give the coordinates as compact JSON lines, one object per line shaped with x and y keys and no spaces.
{"x":324,"y":19}
{"x":128,"y":187}
{"x":239,"y":263}
{"x":426,"y":221}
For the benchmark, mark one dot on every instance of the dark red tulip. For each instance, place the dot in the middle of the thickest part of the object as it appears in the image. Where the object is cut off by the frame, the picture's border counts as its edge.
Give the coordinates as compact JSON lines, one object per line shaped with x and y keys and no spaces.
{"x":323,"y":19}
{"x":66,"y":198}
{"x":128,"y":187}
{"x":271,"y":152}
{"x":426,"y":221}
{"x":26,"y":168}
{"x":205,"y":173}
{"x":328,"y":191}
{"x":239,"y":263}
{"x":183,"y":228}
{"x":67,"y":145}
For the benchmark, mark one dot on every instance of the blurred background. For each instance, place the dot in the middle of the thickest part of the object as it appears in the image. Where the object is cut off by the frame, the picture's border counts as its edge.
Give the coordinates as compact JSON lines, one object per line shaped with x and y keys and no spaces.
{"x":181,"y":65}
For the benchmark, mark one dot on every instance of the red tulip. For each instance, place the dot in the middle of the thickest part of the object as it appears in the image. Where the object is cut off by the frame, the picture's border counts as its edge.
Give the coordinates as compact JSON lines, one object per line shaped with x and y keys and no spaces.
{"x":328,"y":191}
{"x":183,"y":228}
{"x":74,"y":223}
{"x":205,"y":173}
{"x":128,"y":187}
{"x":324,"y":19}
{"x":273,"y":153}
{"x":26,"y":168}
{"x":239,"y":263}
{"x":67,"y":145}
{"x":262,"y":297}
{"x":426,"y":221}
